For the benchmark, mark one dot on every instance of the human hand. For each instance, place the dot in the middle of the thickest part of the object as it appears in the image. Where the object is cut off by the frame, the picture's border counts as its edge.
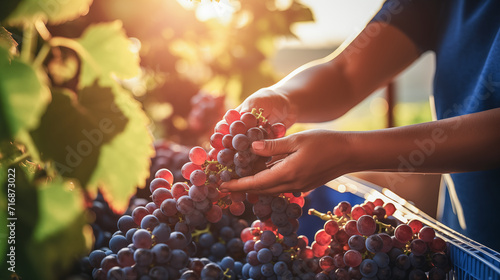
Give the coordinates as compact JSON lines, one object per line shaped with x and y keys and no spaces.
{"x":312,"y":158}
{"x":276,"y":106}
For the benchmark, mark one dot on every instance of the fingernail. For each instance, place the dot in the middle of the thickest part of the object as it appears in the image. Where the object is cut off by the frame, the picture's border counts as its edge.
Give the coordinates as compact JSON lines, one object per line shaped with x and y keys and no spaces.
{"x":258,"y":145}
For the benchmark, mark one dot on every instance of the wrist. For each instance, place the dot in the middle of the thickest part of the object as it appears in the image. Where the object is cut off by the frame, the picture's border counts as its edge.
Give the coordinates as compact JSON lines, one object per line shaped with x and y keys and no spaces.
{"x":290,"y":112}
{"x":355,"y":161}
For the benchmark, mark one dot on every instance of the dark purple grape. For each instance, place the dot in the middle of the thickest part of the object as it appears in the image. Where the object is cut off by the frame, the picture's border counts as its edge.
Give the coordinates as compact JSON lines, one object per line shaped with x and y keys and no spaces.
{"x":143,"y":257}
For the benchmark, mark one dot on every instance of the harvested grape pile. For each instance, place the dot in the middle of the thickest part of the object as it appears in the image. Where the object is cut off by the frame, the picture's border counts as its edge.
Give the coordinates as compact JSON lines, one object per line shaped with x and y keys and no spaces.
{"x":190,"y":230}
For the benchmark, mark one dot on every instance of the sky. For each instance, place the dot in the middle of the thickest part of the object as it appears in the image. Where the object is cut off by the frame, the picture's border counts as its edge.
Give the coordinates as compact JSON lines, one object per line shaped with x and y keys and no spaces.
{"x":335,"y":21}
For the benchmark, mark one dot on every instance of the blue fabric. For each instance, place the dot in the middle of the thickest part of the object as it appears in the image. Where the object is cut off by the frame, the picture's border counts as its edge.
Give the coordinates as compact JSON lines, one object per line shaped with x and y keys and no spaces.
{"x":465,"y":35}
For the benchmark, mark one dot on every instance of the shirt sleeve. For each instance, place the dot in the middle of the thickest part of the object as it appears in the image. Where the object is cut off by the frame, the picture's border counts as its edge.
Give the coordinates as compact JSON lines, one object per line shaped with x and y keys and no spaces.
{"x":418,"y":19}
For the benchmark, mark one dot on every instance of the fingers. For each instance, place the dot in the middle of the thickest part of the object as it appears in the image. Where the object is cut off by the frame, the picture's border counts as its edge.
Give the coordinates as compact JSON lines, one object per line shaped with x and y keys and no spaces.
{"x":261,"y":182}
{"x":285,"y":145}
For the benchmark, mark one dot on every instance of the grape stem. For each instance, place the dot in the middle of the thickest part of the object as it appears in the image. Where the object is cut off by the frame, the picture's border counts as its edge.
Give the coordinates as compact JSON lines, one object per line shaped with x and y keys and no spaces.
{"x":382,"y":225}
{"x":326,"y":217}
{"x":198,"y":232}
{"x":226,"y":273}
{"x":258,"y":114}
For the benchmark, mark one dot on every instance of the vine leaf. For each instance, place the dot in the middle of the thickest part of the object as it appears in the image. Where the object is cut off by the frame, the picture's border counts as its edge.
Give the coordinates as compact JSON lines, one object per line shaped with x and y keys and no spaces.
{"x":125,"y":161}
{"x":26,"y":212}
{"x":109,"y":53}
{"x":49,"y":228}
{"x":53,"y":12}
{"x":75,"y":127}
{"x":58,"y":240}
{"x":23,"y":97}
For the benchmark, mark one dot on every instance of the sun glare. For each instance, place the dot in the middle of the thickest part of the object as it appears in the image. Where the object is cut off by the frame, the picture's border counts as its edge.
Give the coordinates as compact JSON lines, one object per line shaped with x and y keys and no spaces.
{"x":207,"y":9}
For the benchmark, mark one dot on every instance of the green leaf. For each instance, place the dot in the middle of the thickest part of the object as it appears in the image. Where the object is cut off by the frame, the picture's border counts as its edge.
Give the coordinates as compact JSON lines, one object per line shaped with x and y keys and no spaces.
{"x":3,"y":215}
{"x":125,"y":161}
{"x":58,"y":240}
{"x":25,"y":209}
{"x":54,"y":12}
{"x":7,"y":41}
{"x":49,"y":227}
{"x":74,"y":128}
{"x":109,"y":53}
{"x":23,"y":97}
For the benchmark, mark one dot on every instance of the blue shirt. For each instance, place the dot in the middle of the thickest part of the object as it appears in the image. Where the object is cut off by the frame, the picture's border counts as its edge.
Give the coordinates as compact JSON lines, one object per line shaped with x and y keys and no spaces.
{"x":465,"y":36}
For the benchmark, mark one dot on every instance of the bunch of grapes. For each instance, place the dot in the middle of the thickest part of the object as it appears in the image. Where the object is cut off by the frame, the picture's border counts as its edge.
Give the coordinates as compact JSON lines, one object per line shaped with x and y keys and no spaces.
{"x":231,"y":157}
{"x":366,"y":242}
{"x":191,"y":230}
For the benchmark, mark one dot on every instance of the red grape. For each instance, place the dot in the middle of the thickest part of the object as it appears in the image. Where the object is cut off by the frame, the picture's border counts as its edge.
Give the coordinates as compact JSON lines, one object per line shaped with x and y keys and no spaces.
{"x":222,"y":127}
{"x":366,"y":225}
{"x":403,"y":233}
{"x":418,"y":247}
{"x":437,"y":245}
{"x":158,"y":183}
{"x":237,"y":127}
{"x":198,"y":177}
{"x":165,"y":174}
{"x":231,"y":116}
{"x":216,"y":141}
{"x":322,"y":237}
{"x":237,"y":208}
{"x":357,"y":211}
{"x":197,"y":155}
{"x":353,"y":258}
{"x":427,"y":234}
{"x":214,"y":214}
{"x":331,"y":227}
{"x":188,"y":168}
{"x":159,"y":195}
{"x":326,"y":263}
{"x":249,"y":119}
{"x":415,"y":225}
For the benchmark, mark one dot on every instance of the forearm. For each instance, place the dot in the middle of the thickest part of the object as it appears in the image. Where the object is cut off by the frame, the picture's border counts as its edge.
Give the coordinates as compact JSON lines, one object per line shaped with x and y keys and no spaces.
{"x":326,"y":89}
{"x":319,"y":91}
{"x":459,"y":144}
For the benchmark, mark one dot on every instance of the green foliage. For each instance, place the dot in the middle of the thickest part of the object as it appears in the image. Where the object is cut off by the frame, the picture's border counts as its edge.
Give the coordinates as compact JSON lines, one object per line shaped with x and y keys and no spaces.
{"x":48,"y":10}
{"x":23,"y":96}
{"x":65,"y":140}
{"x":58,"y":232}
{"x":122,"y":154}
{"x":85,"y":122}
{"x":48,"y":240}
{"x":107,"y":52}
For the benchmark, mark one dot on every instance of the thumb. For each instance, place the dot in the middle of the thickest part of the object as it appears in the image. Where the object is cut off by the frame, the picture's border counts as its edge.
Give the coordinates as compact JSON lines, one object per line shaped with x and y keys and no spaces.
{"x":280,"y":146}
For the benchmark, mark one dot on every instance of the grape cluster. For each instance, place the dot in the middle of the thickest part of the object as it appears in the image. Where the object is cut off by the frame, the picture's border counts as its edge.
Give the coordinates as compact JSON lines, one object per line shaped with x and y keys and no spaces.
{"x":366,"y":242}
{"x":231,"y":157}
{"x":232,"y":143}
{"x":191,"y":230}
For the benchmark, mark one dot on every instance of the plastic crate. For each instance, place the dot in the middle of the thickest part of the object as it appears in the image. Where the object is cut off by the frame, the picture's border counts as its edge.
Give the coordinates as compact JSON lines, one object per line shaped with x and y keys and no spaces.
{"x":470,"y":259}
